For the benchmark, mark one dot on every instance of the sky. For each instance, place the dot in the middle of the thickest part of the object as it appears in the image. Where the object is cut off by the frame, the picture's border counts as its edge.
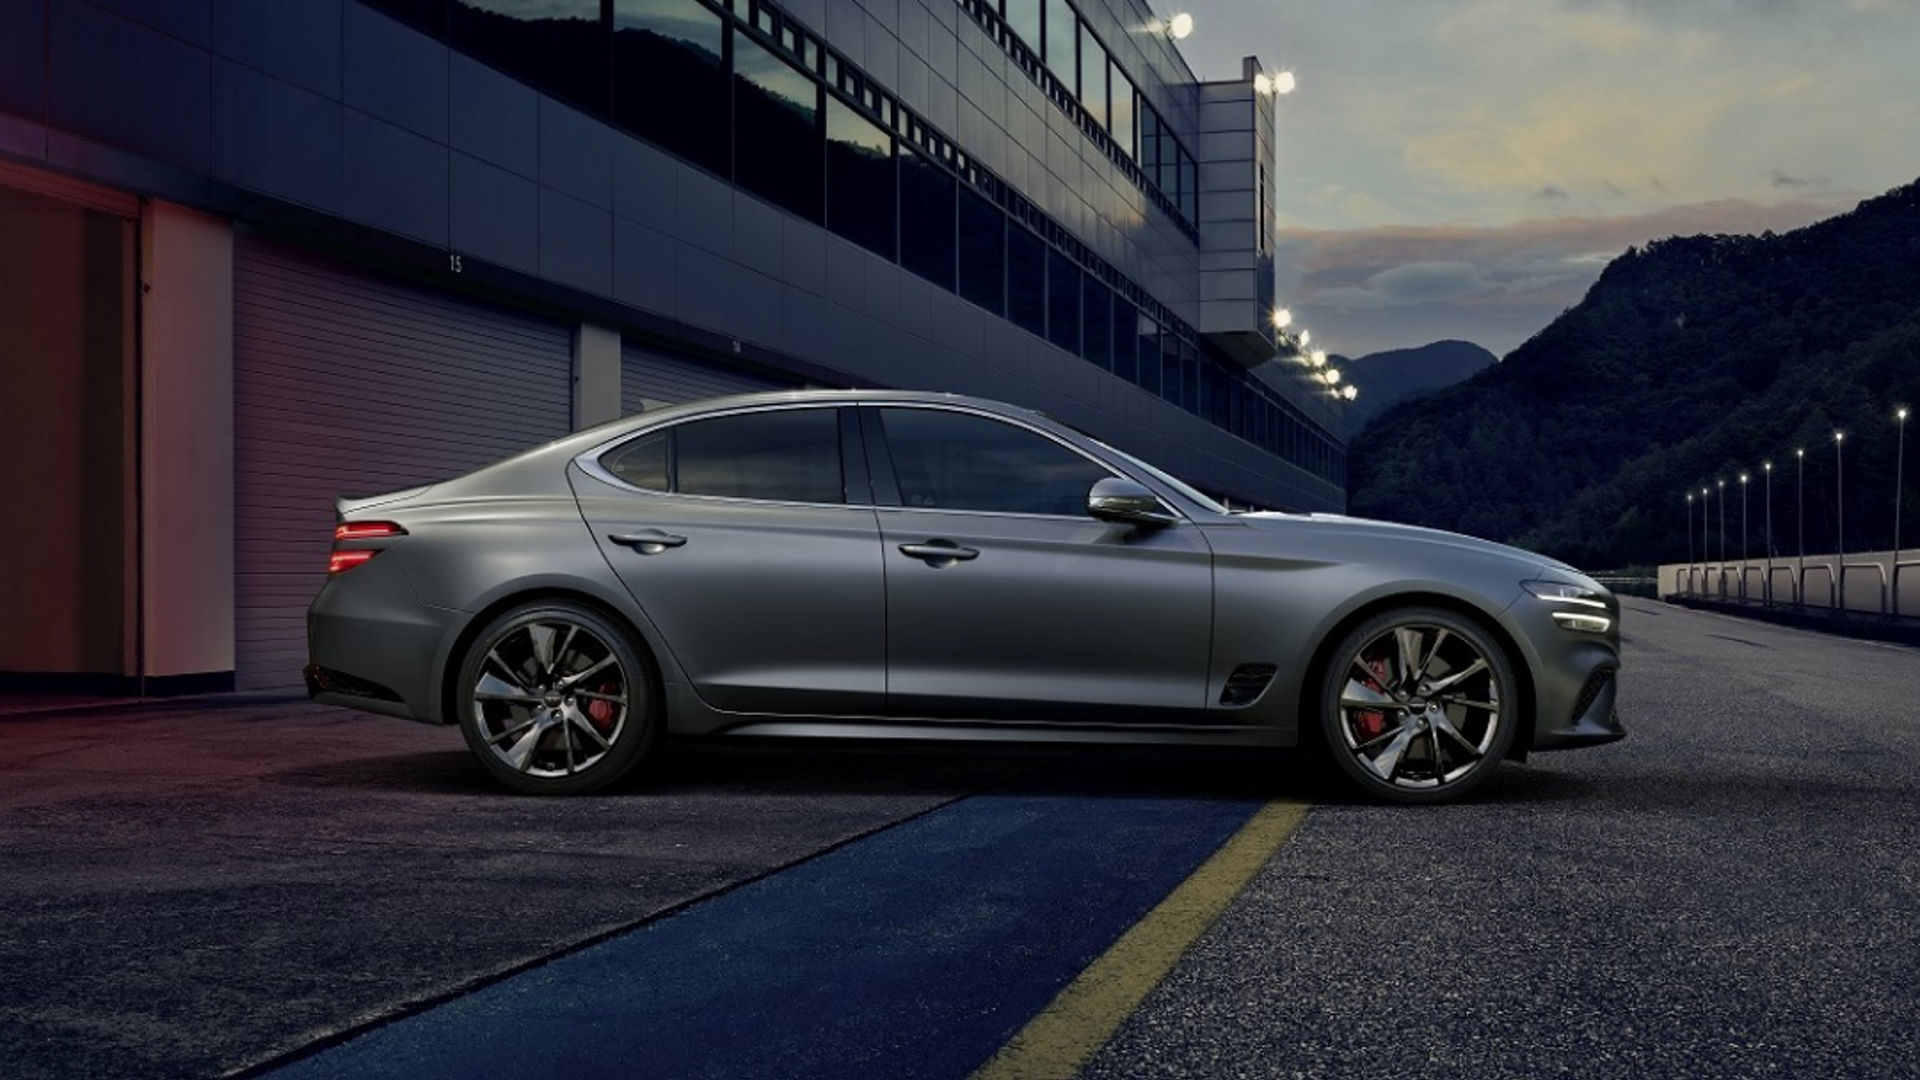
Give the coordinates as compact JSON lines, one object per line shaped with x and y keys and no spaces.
{"x":1466,"y":168}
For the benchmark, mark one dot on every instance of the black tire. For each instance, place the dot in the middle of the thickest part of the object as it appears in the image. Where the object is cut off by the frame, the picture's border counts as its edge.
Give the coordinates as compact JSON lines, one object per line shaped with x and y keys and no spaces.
{"x":1471,"y":741}
{"x":590,"y":661}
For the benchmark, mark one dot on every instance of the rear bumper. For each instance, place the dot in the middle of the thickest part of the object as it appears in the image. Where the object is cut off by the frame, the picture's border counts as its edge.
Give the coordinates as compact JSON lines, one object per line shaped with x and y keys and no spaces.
{"x":373,"y":645}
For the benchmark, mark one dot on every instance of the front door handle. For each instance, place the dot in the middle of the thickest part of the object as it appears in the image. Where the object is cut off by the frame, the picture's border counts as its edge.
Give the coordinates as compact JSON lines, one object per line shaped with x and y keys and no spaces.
{"x":648,"y":541}
{"x":939,"y":552}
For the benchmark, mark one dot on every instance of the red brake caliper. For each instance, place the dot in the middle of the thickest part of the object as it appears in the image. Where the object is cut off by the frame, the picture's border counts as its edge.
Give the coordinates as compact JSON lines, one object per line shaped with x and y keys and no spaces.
{"x":1370,"y":724}
{"x":600,"y":710}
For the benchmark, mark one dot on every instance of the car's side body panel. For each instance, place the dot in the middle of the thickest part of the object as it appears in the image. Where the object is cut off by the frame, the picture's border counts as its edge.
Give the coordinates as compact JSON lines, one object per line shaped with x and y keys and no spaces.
{"x":1069,"y":620}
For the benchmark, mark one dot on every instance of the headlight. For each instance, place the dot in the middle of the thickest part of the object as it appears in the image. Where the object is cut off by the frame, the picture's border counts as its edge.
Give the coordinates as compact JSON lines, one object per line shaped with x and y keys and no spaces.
{"x":1582,"y":608}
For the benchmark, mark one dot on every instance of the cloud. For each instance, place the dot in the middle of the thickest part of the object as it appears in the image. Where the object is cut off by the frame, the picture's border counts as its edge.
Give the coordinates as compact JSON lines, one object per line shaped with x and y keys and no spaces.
{"x":1363,"y":290}
{"x":1782,"y":180}
{"x":1555,"y":194}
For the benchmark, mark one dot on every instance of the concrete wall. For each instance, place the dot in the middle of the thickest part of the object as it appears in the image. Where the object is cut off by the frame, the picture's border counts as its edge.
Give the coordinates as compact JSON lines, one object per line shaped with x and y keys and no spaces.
{"x":186,"y":346}
{"x":66,"y":329}
{"x":1877,"y":582}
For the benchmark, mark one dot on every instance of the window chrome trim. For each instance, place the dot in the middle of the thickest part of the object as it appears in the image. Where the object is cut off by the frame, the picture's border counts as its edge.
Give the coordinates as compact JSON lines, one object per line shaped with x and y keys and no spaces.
{"x":589,"y":459}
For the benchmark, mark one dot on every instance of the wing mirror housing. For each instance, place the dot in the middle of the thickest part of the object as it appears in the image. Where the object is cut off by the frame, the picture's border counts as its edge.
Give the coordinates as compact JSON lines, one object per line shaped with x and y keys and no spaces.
{"x":1127,"y":501}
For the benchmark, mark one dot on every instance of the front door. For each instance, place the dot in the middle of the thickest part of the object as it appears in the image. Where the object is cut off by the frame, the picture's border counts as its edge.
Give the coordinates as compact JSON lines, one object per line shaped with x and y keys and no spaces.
{"x":1007,"y":601}
{"x":737,"y":537}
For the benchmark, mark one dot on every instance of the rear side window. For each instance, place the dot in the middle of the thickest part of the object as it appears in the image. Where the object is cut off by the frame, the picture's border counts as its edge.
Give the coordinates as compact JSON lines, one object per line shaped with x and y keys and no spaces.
{"x":642,"y":462}
{"x":957,"y":461}
{"x":790,"y":455}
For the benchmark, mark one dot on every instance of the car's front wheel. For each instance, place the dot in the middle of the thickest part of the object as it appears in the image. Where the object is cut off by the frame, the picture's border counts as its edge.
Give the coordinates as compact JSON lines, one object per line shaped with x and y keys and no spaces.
{"x":1418,"y":705}
{"x":555,"y":700}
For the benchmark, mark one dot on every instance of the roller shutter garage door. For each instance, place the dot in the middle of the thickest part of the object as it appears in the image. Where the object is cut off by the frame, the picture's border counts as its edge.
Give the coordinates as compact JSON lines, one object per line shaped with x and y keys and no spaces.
{"x":650,"y":378}
{"x":347,"y":383}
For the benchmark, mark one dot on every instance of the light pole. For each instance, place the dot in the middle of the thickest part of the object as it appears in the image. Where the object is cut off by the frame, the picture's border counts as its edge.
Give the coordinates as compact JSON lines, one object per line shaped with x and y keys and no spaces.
{"x":1722,"y":485}
{"x":1840,"y":500}
{"x":1766,"y":590}
{"x":1899,"y":479}
{"x":1800,"y":523}
{"x":1743,"y":538}
{"x":1689,"y":534}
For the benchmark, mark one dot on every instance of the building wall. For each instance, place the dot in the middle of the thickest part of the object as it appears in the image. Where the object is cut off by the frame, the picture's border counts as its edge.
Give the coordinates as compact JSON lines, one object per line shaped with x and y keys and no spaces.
{"x":332,"y":109}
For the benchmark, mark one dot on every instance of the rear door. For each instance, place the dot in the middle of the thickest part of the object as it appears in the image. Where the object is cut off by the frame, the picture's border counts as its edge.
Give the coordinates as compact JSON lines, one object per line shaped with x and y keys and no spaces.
{"x":749,"y":543}
{"x":1007,"y":601}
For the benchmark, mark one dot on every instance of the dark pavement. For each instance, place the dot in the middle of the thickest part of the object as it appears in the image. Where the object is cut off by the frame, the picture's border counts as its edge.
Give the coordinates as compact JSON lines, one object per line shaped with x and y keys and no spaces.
{"x":1732,"y":892}
{"x":188,"y":890}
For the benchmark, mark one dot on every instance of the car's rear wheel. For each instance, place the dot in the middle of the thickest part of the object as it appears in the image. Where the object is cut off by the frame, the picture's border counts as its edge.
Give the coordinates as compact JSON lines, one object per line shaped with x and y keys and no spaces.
{"x":555,"y":699}
{"x":1418,"y":705}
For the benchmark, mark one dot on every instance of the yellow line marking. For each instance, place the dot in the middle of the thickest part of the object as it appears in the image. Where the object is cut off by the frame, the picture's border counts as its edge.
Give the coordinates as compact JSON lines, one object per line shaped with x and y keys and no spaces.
{"x":1059,"y":1042}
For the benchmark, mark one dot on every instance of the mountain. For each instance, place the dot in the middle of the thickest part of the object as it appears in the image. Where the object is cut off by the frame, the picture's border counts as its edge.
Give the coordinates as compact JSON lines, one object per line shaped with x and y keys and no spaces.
{"x":1686,"y":362}
{"x":1388,"y":378}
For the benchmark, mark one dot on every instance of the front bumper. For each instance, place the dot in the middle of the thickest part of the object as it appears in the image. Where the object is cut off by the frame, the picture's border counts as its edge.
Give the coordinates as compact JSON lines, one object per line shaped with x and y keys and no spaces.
{"x":1576,"y":677}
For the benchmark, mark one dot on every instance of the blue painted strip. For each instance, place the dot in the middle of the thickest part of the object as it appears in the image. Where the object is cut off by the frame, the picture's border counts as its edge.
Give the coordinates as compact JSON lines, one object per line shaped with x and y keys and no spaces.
{"x":916,"y":952}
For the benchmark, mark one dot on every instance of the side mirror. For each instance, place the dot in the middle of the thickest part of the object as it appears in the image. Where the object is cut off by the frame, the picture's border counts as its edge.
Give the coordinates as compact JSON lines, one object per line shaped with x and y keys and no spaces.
{"x":1115,"y":499}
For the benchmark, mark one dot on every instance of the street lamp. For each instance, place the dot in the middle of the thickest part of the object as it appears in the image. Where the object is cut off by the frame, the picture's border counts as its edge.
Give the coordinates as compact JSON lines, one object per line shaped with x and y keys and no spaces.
{"x":1704,"y":557}
{"x":1840,"y":508}
{"x":1722,"y":484}
{"x":1899,"y":480}
{"x":1743,"y":538}
{"x":1766,"y":590}
{"x":1800,"y":523}
{"x":1689,"y":534}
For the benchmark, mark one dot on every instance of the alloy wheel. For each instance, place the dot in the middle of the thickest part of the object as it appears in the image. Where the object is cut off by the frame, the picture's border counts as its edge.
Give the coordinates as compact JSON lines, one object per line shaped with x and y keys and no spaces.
{"x":1421,"y":706}
{"x":551,"y":698}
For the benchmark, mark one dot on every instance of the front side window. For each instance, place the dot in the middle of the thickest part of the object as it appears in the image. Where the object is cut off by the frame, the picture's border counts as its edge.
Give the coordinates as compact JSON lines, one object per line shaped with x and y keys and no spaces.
{"x":958,"y":461}
{"x":790,"y":455}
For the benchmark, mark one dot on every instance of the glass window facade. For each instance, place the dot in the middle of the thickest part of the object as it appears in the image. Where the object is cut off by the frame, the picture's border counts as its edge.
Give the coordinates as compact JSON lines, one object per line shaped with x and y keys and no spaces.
{"x":1122,"y":111}
{"x":860,"y":180}
{"x":1093,"y":77}
{"x":558,"y":45}
{"x":983,"y":253}
{"x":673,"y":50}
{"x":926,"y":219}
{"x":1063,"y":35}
{"x":1063,"y":301}
{"x":1023,"y":18}
{"x":1026,"y":281}
{"x":777,"y":147}
{"x":1096,"y":323}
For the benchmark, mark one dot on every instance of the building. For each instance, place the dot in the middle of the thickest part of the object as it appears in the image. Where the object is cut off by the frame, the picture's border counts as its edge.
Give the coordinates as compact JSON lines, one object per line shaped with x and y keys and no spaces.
{"x":254,"y":256}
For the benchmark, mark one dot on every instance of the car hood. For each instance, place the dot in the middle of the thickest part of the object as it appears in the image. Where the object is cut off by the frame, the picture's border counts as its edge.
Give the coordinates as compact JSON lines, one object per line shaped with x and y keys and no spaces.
{"x":1369,"y":529}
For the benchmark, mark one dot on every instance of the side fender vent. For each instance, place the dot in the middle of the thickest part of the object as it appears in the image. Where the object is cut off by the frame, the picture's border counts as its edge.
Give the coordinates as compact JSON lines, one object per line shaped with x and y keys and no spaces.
{"x":1246,"y":684}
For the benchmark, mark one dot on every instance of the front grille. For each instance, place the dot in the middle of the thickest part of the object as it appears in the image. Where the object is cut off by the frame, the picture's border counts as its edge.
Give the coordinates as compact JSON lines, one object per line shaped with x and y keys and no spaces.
{"x":1596,"y":684}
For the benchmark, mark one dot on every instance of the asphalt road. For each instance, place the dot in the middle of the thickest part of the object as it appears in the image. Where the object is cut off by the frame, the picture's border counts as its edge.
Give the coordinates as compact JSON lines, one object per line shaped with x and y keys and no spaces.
{"x":1730,"y":892}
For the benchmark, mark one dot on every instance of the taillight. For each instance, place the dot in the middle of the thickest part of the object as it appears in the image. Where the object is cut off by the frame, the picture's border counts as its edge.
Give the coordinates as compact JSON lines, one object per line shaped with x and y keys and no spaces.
{"x":344,"y":559}
{"x":366,"y":530}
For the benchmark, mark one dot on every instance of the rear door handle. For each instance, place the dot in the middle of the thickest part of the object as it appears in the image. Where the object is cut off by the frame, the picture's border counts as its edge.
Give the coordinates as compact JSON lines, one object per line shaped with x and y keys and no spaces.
{"x":648,"y":541}
{"x":939,"y":552}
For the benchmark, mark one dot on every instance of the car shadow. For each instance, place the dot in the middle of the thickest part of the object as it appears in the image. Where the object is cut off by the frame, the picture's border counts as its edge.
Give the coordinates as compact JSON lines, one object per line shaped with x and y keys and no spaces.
{"x":813,"y":768}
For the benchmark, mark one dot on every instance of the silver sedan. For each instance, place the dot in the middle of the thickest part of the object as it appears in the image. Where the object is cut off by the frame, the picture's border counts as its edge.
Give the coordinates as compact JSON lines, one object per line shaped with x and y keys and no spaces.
{"x":925,"y":566}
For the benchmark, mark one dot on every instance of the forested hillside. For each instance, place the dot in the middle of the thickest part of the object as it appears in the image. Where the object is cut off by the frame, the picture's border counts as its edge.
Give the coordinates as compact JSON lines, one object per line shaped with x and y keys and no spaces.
{"x":1693,"y":359}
